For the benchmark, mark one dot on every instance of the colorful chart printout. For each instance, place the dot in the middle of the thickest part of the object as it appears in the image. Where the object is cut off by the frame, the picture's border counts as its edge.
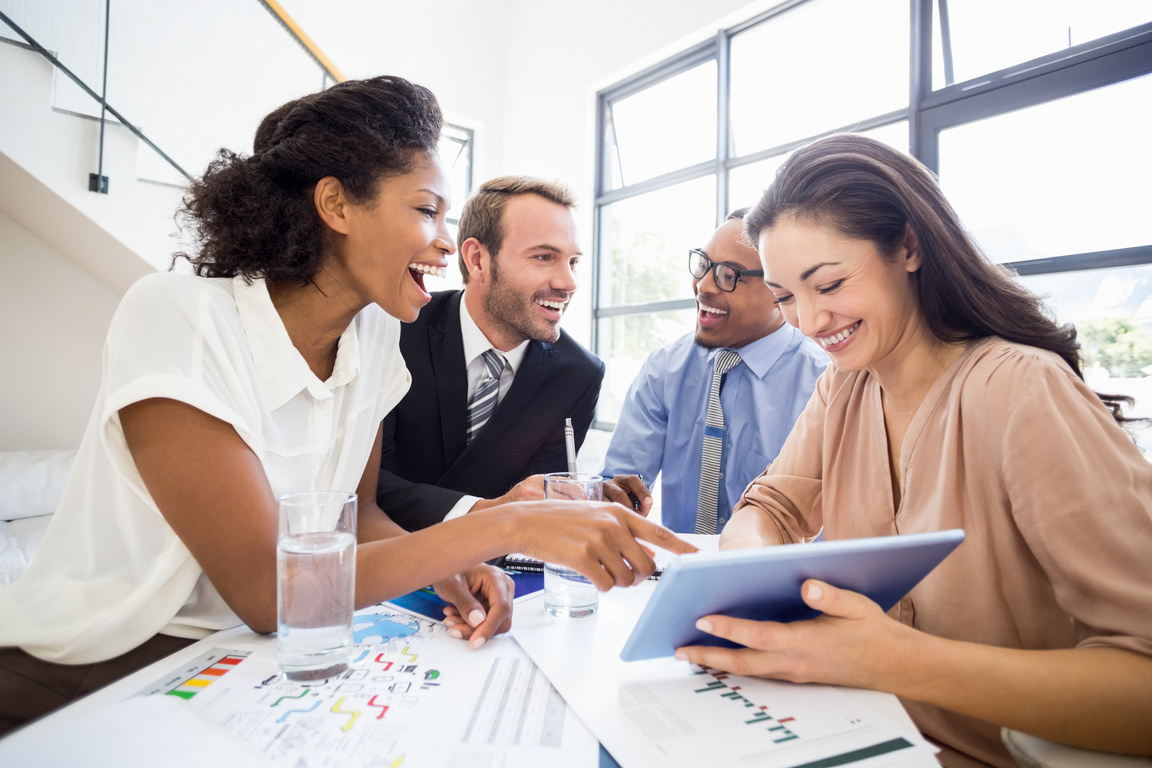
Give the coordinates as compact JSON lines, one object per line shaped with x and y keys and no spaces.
{"x":413,"y":696}
{"x":198,"y":675}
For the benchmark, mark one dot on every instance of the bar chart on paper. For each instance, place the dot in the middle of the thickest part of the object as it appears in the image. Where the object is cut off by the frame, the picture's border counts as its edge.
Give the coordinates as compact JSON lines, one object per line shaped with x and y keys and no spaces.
{"x":518,"y":706}
{"x":195,"y":677}
{"x":413,"y":695}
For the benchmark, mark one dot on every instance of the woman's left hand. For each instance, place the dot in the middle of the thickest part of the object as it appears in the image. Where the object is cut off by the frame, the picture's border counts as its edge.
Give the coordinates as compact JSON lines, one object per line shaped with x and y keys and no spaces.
{"x":480,"y":603}
{"x":853,"y":643}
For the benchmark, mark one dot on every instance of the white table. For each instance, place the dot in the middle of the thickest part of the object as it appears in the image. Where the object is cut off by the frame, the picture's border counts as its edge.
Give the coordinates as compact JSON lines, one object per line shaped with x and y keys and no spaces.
{"x":566,"y":651}
{"x":200,"y":743}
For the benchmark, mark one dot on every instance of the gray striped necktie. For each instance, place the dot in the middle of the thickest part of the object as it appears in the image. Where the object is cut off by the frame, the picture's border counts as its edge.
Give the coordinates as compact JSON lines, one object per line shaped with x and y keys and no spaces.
{"x":709,"y":496}
{"x":484,"y":399}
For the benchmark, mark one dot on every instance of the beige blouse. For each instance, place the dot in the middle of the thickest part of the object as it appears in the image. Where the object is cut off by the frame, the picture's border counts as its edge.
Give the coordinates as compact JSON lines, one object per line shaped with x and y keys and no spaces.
{"x":1012,"y":447}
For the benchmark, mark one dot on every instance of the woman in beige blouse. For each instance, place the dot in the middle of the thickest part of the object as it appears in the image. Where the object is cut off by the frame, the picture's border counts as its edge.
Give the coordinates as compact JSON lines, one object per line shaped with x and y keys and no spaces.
{"x":952,"y":401}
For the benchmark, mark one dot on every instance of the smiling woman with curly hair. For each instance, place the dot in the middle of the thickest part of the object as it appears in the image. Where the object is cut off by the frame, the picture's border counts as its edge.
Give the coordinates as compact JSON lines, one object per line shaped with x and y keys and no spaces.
{"x":269,"y":372}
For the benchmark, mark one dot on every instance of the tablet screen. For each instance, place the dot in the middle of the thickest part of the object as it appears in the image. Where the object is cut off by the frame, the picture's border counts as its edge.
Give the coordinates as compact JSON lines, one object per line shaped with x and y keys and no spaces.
{"x":764,"y":584}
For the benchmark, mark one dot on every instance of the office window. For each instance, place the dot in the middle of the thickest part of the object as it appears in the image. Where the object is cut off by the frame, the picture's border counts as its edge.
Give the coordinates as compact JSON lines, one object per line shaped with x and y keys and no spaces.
{"x":457,"y":145}
{"x":626,"y":341}
{"x":972,"y":38}
{"x":747,"y":182}
{"x":685,"y":104}
{"x":1032,"y":113}
{"x":1112,"y":312}
{"x":824,"y":65}
{"x":649,"y":237}
{"x":456,"y":157}
{"x":1073,"y":175}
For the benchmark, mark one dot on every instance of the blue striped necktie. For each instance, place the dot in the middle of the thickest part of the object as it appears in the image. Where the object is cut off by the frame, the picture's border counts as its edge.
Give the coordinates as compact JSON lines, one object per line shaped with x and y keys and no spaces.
{"x":709,"y":496}
{"x":483,"y":401}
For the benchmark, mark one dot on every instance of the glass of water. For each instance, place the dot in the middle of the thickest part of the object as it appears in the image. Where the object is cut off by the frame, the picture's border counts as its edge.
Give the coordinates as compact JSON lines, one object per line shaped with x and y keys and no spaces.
{"x":315,"y":583}
{"x":568,"y":594}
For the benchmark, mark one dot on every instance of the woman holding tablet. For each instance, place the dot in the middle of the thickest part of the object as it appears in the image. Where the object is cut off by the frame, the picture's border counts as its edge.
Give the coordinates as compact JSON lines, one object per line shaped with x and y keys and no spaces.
{"x":952,"y":401}
{"x":266,"y":373}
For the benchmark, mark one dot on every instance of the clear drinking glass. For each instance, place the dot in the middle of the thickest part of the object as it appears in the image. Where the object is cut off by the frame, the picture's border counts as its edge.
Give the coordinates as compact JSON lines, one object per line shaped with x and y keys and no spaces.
{"x":315,"y":583}
{"x":568,"y":594}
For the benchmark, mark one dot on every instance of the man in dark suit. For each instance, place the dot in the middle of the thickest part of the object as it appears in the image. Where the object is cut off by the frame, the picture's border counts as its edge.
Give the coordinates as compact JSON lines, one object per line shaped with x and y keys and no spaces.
{"x":493,"y":376}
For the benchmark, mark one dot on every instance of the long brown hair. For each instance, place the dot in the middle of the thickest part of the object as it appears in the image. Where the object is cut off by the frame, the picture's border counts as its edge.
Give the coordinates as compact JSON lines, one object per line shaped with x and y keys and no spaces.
{"x":868,"y":191}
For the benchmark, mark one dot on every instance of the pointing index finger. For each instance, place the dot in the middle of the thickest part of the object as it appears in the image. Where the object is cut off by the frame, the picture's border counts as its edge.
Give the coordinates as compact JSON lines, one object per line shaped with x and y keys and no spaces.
{"x":645,"y":529}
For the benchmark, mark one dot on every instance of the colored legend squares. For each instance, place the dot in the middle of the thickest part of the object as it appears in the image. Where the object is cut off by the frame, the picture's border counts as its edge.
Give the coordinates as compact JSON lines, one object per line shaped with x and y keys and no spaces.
{"x":205,"y":677}
{"x":198,"y":675}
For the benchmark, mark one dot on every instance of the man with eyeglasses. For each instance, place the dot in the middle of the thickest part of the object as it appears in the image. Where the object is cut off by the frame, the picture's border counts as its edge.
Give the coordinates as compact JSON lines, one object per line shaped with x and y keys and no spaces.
{"x":708,"y":412}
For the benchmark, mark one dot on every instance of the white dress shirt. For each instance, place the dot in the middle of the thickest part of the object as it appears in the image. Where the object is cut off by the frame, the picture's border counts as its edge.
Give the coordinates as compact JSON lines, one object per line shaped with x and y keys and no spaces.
{"x":475,"y":345}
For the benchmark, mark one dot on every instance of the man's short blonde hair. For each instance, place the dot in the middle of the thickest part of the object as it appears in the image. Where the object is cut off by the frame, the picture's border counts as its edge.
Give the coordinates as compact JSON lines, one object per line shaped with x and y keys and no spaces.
{"x":483,"y":214}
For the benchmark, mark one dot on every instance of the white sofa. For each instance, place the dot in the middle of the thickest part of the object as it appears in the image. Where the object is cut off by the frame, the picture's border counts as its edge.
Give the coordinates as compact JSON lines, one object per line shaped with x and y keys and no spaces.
{"x":30,"y":486}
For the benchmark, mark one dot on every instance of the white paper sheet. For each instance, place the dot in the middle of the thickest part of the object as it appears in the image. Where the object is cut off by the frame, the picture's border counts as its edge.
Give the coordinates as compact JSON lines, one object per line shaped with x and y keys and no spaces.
{"x":141,"y":731}
{"x":671,"y":713}
{"x":414,"y":695}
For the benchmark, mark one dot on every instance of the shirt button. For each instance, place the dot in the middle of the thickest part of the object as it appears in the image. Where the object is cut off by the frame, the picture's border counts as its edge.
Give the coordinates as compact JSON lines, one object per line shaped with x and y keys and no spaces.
{"x":325,"y":403}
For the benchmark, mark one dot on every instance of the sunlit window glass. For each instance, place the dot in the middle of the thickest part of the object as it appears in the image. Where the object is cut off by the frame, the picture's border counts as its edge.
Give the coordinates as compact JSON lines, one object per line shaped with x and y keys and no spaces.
{"x":648,"y":238}
{"x":976,"y":37}
{"x":823,"y":65}
{"x":1065,"y":177}
{"x":894,"y":135}
{"x":1112,"y":312}
{"x":626,"y":342}
{"x":456,"y":156}
{"x":639,"y":127}
{"x":746,"y":183}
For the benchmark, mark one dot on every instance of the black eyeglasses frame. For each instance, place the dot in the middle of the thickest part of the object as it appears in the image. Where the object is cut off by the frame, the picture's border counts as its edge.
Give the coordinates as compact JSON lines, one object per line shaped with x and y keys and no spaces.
{"x":715,"y":267}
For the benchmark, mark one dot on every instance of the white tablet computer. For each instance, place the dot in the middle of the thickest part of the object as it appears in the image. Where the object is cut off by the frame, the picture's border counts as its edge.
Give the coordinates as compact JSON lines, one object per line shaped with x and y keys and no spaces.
{"x":764,"y":584}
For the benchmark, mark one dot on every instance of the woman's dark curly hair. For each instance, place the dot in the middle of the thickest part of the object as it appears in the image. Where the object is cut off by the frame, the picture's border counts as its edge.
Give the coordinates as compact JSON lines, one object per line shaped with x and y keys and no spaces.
{"x":254,"y":216}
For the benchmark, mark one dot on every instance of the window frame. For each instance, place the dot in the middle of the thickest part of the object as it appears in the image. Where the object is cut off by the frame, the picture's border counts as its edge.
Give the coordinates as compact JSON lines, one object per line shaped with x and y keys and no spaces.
{"x":466,"y":138}
{"x":1095,"y":64}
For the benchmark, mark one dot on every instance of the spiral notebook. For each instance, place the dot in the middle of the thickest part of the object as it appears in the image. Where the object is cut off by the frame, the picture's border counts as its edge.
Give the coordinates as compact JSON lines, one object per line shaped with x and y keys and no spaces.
{"x":526,"y":564}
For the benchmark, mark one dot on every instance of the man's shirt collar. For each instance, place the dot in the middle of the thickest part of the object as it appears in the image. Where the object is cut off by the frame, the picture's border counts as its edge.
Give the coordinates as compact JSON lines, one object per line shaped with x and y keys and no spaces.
{"x":762,"y":354}
{"x":475,"y":342}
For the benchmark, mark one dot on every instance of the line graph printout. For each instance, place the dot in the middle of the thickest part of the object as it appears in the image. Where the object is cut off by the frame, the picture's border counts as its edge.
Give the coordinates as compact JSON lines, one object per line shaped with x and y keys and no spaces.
{"x":772,"y":723}
{"x":669,"y":713}
{"x":413,"y":696}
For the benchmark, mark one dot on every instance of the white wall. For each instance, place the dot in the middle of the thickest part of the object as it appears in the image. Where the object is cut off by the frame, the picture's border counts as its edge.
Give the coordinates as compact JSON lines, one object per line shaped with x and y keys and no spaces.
{"x":60,"y":150}
{"x":63,"y":271}
{"x":522,"y":73}
{"x":456,"y":48}
{"x":53,"y":318}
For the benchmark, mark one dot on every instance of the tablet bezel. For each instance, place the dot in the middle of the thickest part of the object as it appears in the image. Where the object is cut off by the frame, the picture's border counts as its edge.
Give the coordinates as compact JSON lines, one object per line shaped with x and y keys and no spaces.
{"x":764,"y":584}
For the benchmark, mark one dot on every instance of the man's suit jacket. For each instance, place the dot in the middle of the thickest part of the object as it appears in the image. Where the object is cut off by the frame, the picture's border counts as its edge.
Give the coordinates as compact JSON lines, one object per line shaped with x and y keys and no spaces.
{"x":425,"y":466}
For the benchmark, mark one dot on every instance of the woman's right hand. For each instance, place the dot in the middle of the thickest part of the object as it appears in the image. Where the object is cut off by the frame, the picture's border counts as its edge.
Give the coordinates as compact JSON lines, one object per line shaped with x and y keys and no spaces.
{"x":598,"y":539}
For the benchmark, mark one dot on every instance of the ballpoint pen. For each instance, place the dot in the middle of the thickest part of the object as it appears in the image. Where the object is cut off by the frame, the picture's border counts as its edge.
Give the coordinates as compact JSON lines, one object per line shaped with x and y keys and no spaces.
{"x":570,"y":445}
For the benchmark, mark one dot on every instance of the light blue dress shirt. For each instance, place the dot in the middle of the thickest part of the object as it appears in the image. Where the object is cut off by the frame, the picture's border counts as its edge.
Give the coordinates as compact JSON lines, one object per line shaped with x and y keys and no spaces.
{"x":661,"y":428}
